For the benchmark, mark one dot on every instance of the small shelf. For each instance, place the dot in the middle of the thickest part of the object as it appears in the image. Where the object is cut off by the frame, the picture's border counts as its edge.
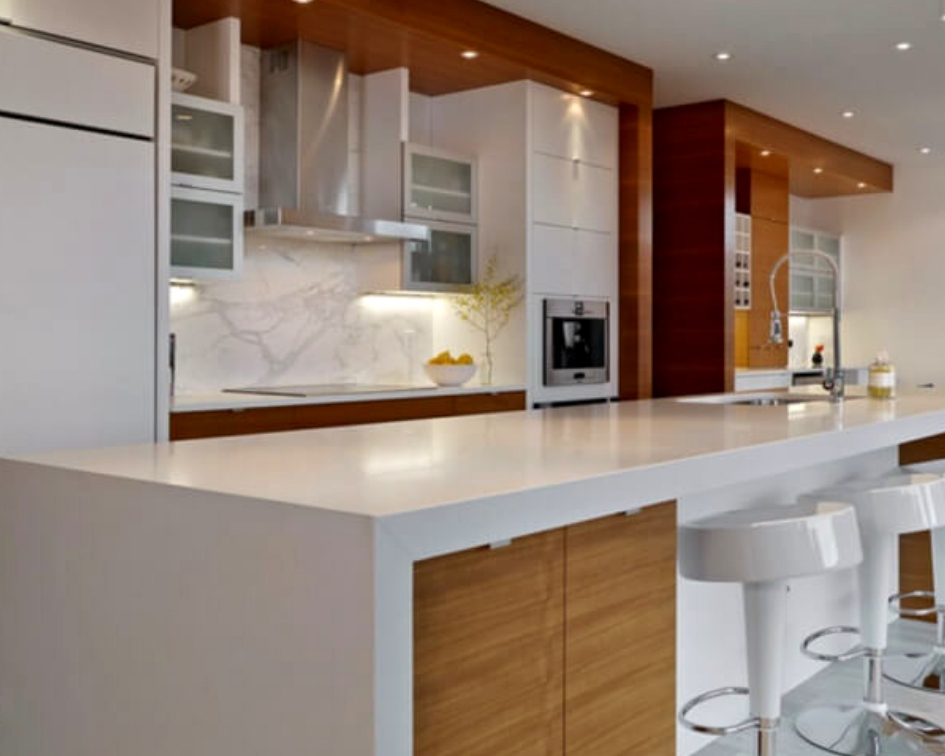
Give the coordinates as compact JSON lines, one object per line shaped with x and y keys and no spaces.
{"x":443,"y":192}
{"x":203,"y":151}
{"x":208,"y":240}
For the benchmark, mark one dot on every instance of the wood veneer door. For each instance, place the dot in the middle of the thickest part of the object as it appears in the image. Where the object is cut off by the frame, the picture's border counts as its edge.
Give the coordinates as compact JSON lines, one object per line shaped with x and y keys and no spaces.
{"x":620,"y":635}
{"x":488,"y":650}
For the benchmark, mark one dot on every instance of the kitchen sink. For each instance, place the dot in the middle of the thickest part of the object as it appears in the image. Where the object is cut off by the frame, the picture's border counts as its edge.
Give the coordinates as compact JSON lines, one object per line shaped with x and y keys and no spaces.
{"x":773,"y":399}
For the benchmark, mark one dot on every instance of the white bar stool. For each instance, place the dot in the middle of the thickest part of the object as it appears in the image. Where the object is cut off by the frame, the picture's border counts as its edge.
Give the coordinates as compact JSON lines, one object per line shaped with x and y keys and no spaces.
{"x":886,"y":508}
{"x":764,"y":548}
{"x":924,"y":672}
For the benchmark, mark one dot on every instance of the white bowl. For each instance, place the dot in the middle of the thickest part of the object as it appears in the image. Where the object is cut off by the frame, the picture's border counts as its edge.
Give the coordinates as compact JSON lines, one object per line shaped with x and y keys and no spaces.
{"x":182,"y":80}
{"x":449,"y":375}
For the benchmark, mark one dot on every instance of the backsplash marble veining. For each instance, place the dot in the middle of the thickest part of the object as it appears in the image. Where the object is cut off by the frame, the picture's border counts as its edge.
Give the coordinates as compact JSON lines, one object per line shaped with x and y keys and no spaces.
{"x":296,"y":317}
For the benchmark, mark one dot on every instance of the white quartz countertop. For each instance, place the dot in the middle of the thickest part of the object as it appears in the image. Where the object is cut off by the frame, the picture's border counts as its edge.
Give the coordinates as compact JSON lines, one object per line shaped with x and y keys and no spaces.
{"x":595,"y":458}
{"x":225,"y":400}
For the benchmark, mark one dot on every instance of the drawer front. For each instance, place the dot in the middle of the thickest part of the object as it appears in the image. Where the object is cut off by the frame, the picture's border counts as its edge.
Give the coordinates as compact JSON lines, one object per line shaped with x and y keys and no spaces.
{"x":53,"y":81}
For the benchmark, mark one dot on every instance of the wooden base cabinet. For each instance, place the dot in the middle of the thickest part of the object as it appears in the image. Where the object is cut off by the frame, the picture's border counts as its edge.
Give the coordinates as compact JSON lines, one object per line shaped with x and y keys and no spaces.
{"x":559,"y":643}
{"x":620,"y":635}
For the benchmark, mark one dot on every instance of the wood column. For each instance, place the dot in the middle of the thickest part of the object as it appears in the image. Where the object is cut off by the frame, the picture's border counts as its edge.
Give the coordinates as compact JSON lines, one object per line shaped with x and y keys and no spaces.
{"x":694,"y":247}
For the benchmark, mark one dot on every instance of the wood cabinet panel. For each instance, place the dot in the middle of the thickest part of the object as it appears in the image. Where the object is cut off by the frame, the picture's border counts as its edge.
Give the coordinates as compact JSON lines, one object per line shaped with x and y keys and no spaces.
{"x":488,"y":640}
{"x":214,"y":423}
{"x":620,"y":647}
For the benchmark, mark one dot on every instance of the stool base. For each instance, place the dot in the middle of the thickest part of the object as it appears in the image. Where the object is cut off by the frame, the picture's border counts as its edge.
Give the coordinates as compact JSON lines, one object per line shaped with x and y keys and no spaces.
{"x":854,"y":730}
{"x":925,"y":673}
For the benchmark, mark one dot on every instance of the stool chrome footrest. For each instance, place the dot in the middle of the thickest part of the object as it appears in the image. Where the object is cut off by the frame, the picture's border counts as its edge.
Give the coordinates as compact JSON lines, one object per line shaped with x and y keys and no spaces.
{"x":855,"y":730}
{"x":854,"y":653}
{"x":747,"y":724}
{"x":895,"y":603}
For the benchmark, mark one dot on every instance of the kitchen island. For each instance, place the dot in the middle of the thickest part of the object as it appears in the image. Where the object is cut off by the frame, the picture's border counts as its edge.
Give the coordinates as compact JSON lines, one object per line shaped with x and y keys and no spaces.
{"x":256,"y":594}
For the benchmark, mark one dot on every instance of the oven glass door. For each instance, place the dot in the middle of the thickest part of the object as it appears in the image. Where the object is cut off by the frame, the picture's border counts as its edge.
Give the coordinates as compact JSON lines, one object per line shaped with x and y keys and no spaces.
{"x":578,"y":343}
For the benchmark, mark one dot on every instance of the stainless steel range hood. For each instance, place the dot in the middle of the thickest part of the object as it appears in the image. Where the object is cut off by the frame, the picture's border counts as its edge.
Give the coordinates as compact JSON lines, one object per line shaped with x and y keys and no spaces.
{"x":304,"y":174}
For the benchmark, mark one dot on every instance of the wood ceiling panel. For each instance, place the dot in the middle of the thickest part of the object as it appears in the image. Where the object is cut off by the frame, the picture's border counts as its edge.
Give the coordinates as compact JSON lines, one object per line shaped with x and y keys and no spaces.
{"x":799,"y":153}
{"x":427,"y":36}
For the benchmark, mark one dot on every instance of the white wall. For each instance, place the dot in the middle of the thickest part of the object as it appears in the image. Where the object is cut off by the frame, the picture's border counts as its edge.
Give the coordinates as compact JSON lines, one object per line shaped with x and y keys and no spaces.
{"x":894,"y":270}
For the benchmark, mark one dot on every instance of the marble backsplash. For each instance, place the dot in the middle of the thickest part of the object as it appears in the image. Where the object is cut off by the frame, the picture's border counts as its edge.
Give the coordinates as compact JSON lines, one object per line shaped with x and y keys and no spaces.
{"x":296,"y":317}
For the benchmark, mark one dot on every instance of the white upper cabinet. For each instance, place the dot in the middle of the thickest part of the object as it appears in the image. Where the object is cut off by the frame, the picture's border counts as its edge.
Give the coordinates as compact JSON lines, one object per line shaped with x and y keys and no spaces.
{"x":552,"y":260}
{"x":595,"y":198}
{"x":573,"y":262}
{"x":40,"y":78}
{"x":127,"y":25}
{"x":595,"y":264}
{"x":573,"y":194}
{"x":207,"y":144}
{"x":569,"y":126}
{"x":439,"y":185}
{"x":553,"y":187}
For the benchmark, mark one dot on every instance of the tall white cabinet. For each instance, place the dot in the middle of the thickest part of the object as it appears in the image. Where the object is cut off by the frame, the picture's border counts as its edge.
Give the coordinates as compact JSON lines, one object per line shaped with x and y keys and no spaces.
{"x":573,"y":242}
{"x":77,"y":246}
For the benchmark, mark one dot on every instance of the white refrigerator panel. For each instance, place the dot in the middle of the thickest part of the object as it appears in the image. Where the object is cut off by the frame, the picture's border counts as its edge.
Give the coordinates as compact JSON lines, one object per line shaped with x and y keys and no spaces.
{"x":77,"y":288}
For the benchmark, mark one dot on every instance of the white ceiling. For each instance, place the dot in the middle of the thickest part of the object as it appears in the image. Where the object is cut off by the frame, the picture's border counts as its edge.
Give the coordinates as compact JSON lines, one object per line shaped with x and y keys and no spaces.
{"x":802,"y":61}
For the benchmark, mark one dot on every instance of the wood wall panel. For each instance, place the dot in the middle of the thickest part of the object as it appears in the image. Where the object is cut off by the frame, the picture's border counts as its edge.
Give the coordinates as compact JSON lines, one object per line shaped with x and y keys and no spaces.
{"x":488,"y":651}
{"x":915,"y":549}
{"x":693,"y":239}
{"x":620,"y":654}
{"x":635,"y":327}
{"x":769,"y":240}
{"x":216,"y":423}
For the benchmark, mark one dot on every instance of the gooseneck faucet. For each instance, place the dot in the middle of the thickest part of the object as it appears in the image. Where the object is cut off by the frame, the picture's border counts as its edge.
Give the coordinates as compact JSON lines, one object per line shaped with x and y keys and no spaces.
{"x":833,"y":378}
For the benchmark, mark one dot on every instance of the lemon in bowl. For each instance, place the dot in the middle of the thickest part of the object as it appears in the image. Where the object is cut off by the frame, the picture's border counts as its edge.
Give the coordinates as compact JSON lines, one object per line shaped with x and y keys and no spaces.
{"x":446,"y":370}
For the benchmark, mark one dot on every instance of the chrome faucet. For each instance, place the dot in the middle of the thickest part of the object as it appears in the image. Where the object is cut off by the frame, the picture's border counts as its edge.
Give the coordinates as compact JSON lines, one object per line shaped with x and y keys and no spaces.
{"x":833,"y":377}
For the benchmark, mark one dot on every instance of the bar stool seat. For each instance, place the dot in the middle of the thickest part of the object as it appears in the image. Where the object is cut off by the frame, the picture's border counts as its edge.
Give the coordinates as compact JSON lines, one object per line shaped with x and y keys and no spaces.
{"x":764,"y":548}
{"x":886,"y":508}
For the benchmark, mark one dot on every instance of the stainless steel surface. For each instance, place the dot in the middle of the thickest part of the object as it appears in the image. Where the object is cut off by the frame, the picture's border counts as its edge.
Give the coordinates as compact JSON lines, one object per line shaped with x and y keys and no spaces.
{"x":810,"y":640}
{"x":834,"y":379}
{"x":323,"y":389}
{"x":895,"y":604}
{"x":924,"y":673}
{"x":304,"y":128}
{"x":746,"y":724}
{"x":303,"y":168}
{"x":782,"y":401}
{"x":321,"y":227}
{"x":571,"y":309}
{"x":767,"y":742}
{"x":854,"y":730}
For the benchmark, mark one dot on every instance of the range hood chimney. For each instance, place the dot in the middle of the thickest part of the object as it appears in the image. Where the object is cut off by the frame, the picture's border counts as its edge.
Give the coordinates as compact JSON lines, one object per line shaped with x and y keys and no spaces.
{"x":304,"y":174}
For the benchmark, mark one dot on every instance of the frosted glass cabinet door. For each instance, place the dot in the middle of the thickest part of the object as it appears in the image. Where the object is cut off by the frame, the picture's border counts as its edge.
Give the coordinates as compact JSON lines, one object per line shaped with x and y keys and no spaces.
{"x":448,"y":262}
{"x":206,"y":144}
{"x":129,"y":25}
{"x":206,"y":234}
{"x":439,"y":185}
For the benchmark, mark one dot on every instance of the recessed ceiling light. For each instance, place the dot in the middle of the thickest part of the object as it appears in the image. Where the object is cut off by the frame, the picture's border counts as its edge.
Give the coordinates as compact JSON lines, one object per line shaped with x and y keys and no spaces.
{"x":765,"y":153}
{"x":903,"y":46}
{"x":470,"y":54}
{"x":861,"y":185}
{"x":723,"y":55}
{"x":925,"y":150}
{"x":586,"y":92}
{"x":304,"y":2}
{"x":848,"y":114}
{"x":818,"y":171}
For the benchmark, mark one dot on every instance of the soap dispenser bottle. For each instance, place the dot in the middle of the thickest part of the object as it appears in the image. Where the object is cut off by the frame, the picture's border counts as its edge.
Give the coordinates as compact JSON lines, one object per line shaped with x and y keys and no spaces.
{"x":882,"y":378}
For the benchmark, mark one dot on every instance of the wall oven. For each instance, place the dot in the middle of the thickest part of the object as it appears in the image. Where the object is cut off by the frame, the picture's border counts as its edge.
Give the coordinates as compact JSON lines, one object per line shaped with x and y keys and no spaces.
{"x":577,"y":336}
